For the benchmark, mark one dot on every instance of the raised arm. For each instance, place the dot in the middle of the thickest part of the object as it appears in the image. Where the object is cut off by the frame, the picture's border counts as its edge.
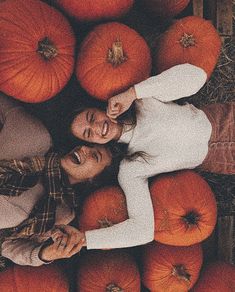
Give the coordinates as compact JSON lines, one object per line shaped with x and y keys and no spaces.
{"x":17,"y":176}
{"x":21,"y":134}
{"x":177,"y":82}
{"x":139,"y":228}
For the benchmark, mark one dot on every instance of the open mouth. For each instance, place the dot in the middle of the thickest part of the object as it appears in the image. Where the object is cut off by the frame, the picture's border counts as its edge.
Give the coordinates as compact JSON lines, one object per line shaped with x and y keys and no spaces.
{"x":105,"y":129}
{"x":76,"y":157}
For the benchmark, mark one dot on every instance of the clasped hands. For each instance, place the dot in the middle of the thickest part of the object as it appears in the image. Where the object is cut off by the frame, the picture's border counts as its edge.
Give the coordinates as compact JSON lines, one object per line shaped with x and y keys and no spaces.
{"x":67,"y":241}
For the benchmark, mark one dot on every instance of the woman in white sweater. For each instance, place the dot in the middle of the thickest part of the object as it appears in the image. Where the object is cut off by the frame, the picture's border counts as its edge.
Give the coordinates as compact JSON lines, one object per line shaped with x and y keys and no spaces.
{"x":166,"y":137}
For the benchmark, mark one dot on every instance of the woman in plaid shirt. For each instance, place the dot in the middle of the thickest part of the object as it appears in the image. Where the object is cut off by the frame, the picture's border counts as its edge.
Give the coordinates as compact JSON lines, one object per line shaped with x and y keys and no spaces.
{"x":41,"y":234}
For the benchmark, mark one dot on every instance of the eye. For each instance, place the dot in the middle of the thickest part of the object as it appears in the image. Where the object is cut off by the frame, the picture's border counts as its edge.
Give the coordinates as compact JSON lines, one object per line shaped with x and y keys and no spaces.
{"x":89,"y":133}
{"x":92,"y":117}
{"x":95,"y":156}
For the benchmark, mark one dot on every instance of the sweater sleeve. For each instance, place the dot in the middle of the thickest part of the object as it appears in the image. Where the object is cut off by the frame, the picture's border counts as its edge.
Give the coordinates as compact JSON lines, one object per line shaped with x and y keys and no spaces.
{"x":22,"y":251}
{"x":21,"y":134}
{"x":177,"y":82}
{"x":139,"y":228}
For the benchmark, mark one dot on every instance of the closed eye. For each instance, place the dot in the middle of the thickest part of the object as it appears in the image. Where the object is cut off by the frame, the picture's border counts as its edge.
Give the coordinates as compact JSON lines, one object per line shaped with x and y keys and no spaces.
{"x":87,"y":134}
{"x":94,"y":155}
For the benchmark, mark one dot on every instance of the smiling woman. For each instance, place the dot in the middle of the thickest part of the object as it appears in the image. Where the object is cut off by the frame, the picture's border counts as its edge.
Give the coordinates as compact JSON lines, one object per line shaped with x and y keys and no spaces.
{"x":93,"y":125}
{"x":84,"y":163}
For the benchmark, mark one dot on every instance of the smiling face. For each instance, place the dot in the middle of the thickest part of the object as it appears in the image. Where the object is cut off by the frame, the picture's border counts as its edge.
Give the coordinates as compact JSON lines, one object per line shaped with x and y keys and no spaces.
{"x":93,"y":125}
{"x":84,"y":163}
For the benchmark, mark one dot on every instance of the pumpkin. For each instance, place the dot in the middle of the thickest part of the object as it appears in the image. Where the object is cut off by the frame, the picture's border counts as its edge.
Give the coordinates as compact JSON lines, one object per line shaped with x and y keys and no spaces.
{"x":36,"y":50}
{"x":103,"y":208}
{"x":165,"y":8}
{"x":112,"y":58}
{"x":185,"y":210}
{"x":110,"y":271}
{"x":90,"y":10}
{"x":171,"y":268}
{"x":217,"y":277}
{"x":47,"y":278}
{"x":191,"y":40}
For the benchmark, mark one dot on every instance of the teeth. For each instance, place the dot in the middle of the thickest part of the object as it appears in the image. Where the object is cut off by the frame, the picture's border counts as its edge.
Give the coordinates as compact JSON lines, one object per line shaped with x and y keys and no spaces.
{"x":78,"y":158}
{"x":105,"y":129}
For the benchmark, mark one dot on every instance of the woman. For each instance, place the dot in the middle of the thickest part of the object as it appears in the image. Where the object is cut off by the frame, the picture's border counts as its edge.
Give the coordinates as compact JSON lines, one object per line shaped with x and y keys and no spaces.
{"x":37,"y":192}
{"x":165,"y":137}
{"x":27,"y":242}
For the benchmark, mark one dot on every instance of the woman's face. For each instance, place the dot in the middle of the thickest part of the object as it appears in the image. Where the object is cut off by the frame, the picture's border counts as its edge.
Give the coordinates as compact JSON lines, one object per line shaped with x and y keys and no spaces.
{"x":84,"y":163}
{"x":93,"y":125}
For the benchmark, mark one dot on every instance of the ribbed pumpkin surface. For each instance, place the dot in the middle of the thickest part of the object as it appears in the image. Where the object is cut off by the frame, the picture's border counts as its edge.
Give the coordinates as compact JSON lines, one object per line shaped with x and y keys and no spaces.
{"x":36,"y":50}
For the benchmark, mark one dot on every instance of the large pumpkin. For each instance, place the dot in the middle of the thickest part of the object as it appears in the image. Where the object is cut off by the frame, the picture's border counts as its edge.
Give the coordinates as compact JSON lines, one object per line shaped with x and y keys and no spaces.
{"x":110,"y":271}
{"x":111,"y":59}
{"x":217,"y":277}
{"x":103,"y":208}
{"x":191,"y":40}
{"x":36,"y":50}
{"x":171,"y":268}
{"x":47,"y":278}
{"x":165,"y":8}
{"x":90,"y":10}
{"x":184,"y":208}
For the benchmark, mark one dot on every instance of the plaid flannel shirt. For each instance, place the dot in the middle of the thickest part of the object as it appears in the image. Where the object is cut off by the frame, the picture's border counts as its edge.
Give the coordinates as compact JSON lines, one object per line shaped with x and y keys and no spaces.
{"x":16,"y":176}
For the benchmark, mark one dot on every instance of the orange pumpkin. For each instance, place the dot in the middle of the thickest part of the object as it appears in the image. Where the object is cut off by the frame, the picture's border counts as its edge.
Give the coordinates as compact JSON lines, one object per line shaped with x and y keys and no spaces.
{"x":90,"y":10}
{"x":47,"y":278}
{"x":171,"y":268}
{"x":185,"y":210}
{"x":105,"y":207}
{"x":112,"y":58}
{"x":36,"y":50}
{"x":165,"y":8}
{"x":110,"y":271}
{"x":217,"y":277}
{"x":191,"y":40}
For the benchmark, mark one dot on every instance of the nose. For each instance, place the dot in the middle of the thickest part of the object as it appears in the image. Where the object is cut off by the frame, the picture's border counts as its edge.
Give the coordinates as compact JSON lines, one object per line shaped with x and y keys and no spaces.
{"x":86,"y":150}
{"x":97,"y":128}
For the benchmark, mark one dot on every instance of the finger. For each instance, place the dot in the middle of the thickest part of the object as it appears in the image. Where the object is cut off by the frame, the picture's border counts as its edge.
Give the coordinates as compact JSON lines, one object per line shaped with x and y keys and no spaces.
{"x":63,"y":243}
{"x":72,"y":240}
{"x":76,"y":247}
{"x":56,"y":234}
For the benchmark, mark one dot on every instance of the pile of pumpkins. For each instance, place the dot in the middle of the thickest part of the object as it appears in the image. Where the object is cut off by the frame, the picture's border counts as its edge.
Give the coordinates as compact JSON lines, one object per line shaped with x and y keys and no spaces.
{"x":37,"y":47}
{"x":38,"y":55}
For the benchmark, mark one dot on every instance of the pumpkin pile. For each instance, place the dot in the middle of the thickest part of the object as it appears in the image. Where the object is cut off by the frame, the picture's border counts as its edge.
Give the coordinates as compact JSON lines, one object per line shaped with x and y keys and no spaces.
{"x":41,"y":47}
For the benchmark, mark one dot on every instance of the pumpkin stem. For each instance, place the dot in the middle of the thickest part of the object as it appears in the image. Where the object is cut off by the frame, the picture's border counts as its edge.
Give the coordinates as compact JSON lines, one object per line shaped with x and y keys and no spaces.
{"x":191,"y":218}
{"x":116,"y":55}
{"x":187,"y":40}
{"x":113,"y":288}
{"x":105,"y":223}
{"x":180,"y":272}
{"x":47,"y":49}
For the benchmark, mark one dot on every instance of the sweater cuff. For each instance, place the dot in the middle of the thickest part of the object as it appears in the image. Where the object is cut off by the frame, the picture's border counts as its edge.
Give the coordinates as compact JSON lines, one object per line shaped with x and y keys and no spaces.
{"x":36,"y":261}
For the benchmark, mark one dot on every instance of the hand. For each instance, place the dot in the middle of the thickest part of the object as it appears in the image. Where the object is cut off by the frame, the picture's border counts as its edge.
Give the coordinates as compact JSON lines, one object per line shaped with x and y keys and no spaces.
{"x":66,"y":244}
{"x":120,"y":103}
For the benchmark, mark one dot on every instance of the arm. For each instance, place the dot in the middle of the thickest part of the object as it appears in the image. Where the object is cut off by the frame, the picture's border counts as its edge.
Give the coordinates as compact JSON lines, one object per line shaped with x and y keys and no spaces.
{"x":17,"y":176}
{"x":22,"y":251}
{"x":139,"y":228}
{"x":177,"y":82}
{"x":174,"y":83}
{"x":21,"y":134}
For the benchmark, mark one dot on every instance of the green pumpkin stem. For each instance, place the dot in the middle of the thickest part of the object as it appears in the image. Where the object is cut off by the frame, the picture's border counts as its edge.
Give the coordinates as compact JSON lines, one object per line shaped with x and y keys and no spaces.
{"x":180,"y":272}
{"x":116,"y":55}
{"x":47,"y":49}
{"x":187,"y":40}
{"x":113,"y":288}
